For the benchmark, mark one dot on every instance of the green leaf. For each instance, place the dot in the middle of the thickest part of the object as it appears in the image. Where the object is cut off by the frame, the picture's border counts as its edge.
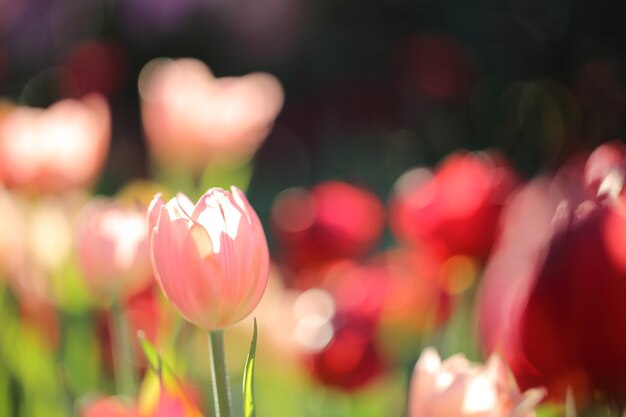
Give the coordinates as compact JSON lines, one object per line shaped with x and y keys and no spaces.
{"x":248,"y":378}
{"x":157,"y":364}
{"x":151,"y":354}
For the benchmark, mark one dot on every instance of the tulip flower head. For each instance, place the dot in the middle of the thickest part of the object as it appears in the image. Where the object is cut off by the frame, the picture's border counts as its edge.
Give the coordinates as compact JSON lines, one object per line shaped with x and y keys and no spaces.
{"x":550,"y":300}
{"x":454,"y":210}
{"x":211,"y":260}
{"x":192,"y":118}
{"x":113,"y":251}
{"x":57,"y":149}
{"x":456,"y":387}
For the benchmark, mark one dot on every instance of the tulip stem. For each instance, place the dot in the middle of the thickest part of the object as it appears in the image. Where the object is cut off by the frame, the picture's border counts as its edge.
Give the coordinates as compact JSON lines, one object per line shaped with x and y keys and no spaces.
{"x":219,"y":375}
{"x":125,"y":381}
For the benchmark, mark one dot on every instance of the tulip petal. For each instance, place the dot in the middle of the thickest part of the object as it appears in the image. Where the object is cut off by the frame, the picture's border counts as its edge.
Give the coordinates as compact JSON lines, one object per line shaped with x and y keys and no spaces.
{"x":185,"y":203}
{"x":202,"y":240}
{"x":154,"y":210}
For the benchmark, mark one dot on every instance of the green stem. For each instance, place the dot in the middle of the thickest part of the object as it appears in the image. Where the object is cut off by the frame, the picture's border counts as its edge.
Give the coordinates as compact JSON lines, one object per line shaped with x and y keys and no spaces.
{"x":125,"y":378}
{"x":219,"y":375}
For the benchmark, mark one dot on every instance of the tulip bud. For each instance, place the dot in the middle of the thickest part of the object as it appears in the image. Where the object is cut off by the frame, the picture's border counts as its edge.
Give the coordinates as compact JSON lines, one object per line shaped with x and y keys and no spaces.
{"x":211,"y":260}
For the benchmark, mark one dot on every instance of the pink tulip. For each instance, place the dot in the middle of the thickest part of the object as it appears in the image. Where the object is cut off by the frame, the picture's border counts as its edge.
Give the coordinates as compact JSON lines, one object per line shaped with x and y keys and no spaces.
{"x":113,"y":251}
{"x":457,"y":387}
{"x":62,"y":147}
{"x":211,"y":260}
{"x":190,"y":117}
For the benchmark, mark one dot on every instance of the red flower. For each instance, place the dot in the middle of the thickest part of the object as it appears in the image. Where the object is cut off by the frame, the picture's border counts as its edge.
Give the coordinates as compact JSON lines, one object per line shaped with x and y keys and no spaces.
{"x":334,"y":220}
{"x":455,"y":210}
{"x":553,"y":294}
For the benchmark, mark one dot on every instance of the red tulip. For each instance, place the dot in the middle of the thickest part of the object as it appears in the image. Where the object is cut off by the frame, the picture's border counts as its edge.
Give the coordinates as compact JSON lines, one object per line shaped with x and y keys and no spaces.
{"x":351,"y":359}
{"x":553,"y":294}
{"x":211,"y":260}
{"x":341,"y":348}
{"x":334,"y":220}
{"x":454,"y":210}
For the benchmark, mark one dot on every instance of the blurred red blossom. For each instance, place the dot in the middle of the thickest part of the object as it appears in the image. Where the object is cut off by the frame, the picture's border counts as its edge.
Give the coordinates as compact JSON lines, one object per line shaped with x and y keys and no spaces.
{"x":551,"y":300}
{"x":372,"y":301}
{"x":351,"y":359}
{"x":334,"y":220}
{"x":455,"y":209}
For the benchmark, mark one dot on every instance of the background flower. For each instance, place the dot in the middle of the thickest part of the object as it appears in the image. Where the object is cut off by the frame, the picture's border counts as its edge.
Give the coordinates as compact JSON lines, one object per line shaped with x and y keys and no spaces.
{"x":456,"y":387}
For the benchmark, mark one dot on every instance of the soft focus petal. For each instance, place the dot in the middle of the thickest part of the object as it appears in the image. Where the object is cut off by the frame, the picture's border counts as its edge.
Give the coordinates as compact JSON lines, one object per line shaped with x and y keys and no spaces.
{"x":457,"y":387}
{"x":63,"y":147}
{"x":112,"y":247}
{"x":191,"y":117}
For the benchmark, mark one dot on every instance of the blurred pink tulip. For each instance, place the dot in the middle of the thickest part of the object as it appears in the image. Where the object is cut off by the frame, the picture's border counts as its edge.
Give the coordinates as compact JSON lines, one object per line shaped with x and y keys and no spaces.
{"x":60,"y":148}
{"x":455,"y":209}
{"x":190,"y":117}
{"x":211,"y":260}
{"x":113,"y":251}
{"x":459,"y":388}
{"x":44,"y":244}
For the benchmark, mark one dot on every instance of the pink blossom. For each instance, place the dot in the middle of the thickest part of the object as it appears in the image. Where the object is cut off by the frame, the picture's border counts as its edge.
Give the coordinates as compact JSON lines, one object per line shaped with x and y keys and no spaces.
{"x":60,"y":148}
{"x":211,"y":260}
{"x":112,"y":241}
{"x":190,"y":117}
{"x":457,"y":387}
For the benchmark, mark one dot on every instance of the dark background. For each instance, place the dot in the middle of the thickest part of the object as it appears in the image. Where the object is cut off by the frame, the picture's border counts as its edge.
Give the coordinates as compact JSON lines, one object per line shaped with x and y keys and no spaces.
{"x":372,"y":87}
